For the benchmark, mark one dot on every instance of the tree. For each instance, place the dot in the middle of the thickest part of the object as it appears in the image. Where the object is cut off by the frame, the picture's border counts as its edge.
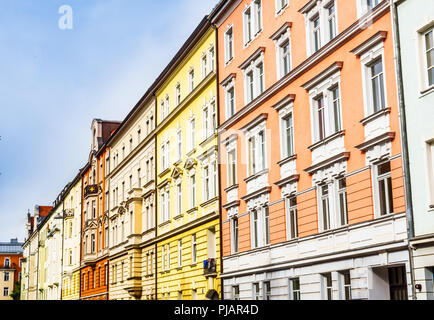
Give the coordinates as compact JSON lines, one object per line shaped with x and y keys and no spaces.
{"x":16,"y":294}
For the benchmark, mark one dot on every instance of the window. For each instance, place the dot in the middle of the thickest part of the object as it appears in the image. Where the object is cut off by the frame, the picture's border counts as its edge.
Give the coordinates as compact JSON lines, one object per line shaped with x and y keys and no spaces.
{"x":320,"y":117}
{"x":327,"y":286}
{"x":232,"y":164}
{"x":267,"y":290}
{"x":212,"y":58}
{"x":106,"y":229}
{"x":229,"y":45}
{"x":316,"y":33}
{"x":206,"y":178}
{"x":168,"y":256}
{"x":345,"y":284}
{"x":163,"y":258}
{"x":294,"y":289}
{"x":5,"y":292}
{"x":192,"y":191}
{"x":287,"y":126}
{"x":165,"y":205}
{"x":285,"y":61}
{"x":250,"y":86}
{"x":260,"y":225}
{"x":336,"y":108}
{"x":377,"y":85}
{"x":6,"y":276}
{"x":204,"y":66}
{"x":331,"y":12}
{"x":280,"y":5}
{"x":372,"y":3}
{"x":291,"y":218}
{"x":325,"y":207}
{"x":256,"y":153}
{"x":179,"y":144}
{"x":178,"y":198}
{"x":139,"y":178}
{"x":191,"y":80}
{"x":192,"y":133}
{"x":92,"y":239}
{"x":178,"y":94}
{"x":429,"y":52}
{"x":430,"y":171}
{"x":384,"y":184}
{"x":234,"y":234}
{"x":252,"y":17}
{"x":193,"y":249}
{"x":180,"y":253}
{"x":256,"y":294}
{"x":94,"y":209}
{"x":230,"y":102}
{"x":236,"y":292}
{"x":342,"y":201}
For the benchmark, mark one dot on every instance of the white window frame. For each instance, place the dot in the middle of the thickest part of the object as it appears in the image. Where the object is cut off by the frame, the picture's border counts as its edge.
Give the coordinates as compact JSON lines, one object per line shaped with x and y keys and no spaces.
{"x":257,"y":159}
{"x":193,"y":249}
{"x":193,"y":195}
{"x":423,"y":63}
{"x":293,"y":292}
{"x":178,"y":93}
{"x":178,"y":144}
{"x":232,"y":166}
{"x":191,"y":80}
{"x":229,"y":39}
{"x":228,"y":88}
{"x":324,"y":89}
{"x":180,"y":253}
{"x":325,"y":287}
{"x":204,"y":65}
{"x":383,"y":177}
{"x":234,"y":234}
{"x":178,"y":197}
{"x":281,"y":5}
{"x":429,"y":149}
{"x":291,"y":217}
{"x":260,"y":234}
{"x":256,"y":24}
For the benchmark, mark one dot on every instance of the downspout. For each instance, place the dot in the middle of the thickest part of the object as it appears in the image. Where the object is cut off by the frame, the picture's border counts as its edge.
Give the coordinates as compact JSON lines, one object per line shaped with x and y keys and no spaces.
{"x":404,"y":139}
{"x":155,"y":195}
{"x":219,"y":162}
{"x":61,"y":260}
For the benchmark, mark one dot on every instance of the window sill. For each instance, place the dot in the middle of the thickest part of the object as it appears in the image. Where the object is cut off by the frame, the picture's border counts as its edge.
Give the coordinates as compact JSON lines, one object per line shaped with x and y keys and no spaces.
{"x":287,"y":159}
{"x":229,"y":61}
{"x":178,"y":216}
{"x":208,"y":139}
{"x":231,"y":187}
{"x":165,"y":223}
{"x":253,"y":176}
{"x":204,"y":204}
{"x":326,"y":140}
{"x":375,"y":115}
{"x":426,"y":91}
{"x":191,"y":152}
{"x":192,"y":210}
{"x":162,"y":173}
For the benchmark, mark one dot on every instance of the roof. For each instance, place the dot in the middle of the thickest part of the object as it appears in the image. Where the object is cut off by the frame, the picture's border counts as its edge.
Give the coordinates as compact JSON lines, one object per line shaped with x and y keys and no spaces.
{"x":11,"y":247}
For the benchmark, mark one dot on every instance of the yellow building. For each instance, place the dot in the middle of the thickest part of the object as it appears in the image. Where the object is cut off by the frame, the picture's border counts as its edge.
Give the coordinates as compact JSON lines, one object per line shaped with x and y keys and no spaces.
{"x":188,"y":232}
{"x":71,"y":240}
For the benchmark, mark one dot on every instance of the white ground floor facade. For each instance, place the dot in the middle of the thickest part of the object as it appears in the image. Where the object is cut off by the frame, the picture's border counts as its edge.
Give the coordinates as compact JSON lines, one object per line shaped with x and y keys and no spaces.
{"x":423,"y":266}
{"x":367,"y":261}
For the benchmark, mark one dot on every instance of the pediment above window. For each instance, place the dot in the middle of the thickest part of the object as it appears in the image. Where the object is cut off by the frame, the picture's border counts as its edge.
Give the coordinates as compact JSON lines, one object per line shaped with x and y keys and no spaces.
{"x":176,"y":172}
{"x":190,"y":163}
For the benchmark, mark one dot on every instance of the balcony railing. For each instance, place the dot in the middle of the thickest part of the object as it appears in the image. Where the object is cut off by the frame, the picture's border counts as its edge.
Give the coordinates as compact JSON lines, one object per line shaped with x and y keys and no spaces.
{"x":209,"y":267}
{"x":91,"y":190}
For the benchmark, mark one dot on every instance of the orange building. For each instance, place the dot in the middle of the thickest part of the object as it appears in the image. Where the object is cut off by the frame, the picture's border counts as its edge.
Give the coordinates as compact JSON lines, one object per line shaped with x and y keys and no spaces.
{"x":311,"y":179}
{"x":11,"y":254}
{"x":94,"y":229}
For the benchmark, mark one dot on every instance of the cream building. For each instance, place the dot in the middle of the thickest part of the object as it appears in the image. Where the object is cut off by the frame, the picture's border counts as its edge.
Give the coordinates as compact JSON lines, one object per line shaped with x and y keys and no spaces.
{"x":71,"y":240}
{"x":132,"y":209}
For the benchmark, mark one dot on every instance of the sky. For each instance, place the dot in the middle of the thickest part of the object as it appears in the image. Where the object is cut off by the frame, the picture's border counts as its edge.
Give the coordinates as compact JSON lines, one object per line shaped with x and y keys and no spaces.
{"x":54,"y":81}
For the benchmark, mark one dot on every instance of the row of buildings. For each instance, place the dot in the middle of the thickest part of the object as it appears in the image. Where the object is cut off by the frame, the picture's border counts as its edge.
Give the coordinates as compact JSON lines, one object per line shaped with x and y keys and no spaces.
{"x":11,"y":254}
{"x":285,"y":152}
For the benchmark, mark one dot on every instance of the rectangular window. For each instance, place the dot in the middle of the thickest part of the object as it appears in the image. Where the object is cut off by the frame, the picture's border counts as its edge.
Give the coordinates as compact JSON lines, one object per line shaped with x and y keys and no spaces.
{"x":320,"y":118}
{"x":325,"y":207}
{"x":250,"y":88}
{"x":230,"y":102}
{"x":6,"y":277}
{"x":281,"y":4}
{"x":232,"y":171}
{"x":288,"y":136}
{"x":191,"y":80}
{"x":168,"y":256}
{"x":267,"y":290}
{"x":139,"y":178}
{"x":206,"y":182}
{"x":372,"y":3}
{"x":256,"y":294}
{"x":342,"y":201}
{"x":294,"y":289}
{"x":236,"y":292}
{"x":234,"y":235}
{"x":192,"y":133}
{"x":204,"y":65}
{"x":384,"y":182}
{"x":179,"y":144}
{"x":291,"y":218}
{"x":316,"y":33}
{"x":346,"y":283}
{"x":285,"y":58}
{"x":178,"y":94}
{"x":261,"y":150}
{"x":377,"y":85}
{"x":327,"y":286}
{"x":261,"y":80}
{"x":430,"y":171}
{"x":429,"y":52}
{"x":179,"y":253}
{"x":255,"y":228}
{"x":267,"y":225}
{"x":331,"y":11}
{"x":193,"y":249}
{"x":193,"y":191}
{"x":5,"y":292}
{"x":247,"y":26}
{"x":163,"y":258}
{"x":229,"y":45}
{"x":178,"y":199}
{"x":258,"y":16}
{"x":212,"y":58}
{"x":336,"y":109}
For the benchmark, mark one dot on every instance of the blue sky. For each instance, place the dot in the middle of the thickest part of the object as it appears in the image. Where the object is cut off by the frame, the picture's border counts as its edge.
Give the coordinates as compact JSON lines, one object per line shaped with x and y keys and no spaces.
{"x":53,"y":82}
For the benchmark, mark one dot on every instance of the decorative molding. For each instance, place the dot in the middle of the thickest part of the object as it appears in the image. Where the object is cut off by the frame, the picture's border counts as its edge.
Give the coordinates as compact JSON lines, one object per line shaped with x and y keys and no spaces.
{"x":252,"y":57}
{"x":292,"y":178}
{"x":333,"y":68}
{"x":282,"y":29}
{"x":339,"y":157}
{"x":368,"y":44}
{"x":385,"y":137}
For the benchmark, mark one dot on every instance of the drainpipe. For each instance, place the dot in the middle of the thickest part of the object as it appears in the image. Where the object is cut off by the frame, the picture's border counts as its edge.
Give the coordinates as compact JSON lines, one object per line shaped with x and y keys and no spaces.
{"x":214,"y":26}
{"x":61,"y":254}
{"x":404,"y":138}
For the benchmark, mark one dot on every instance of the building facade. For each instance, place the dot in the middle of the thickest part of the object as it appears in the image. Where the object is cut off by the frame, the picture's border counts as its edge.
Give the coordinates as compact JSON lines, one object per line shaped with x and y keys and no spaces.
{"x":11,"y":254}
{"x":415,"y":22}
{"x":30,"y":266}
{"x":187,"y":218}
{"x":71,"y":240}
{"x":313,"y":204}
{"x":132,"y":206}
{"x":94,"y":280}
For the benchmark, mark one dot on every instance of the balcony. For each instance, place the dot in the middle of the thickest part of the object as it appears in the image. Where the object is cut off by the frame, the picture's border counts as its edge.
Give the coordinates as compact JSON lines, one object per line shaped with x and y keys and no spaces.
{"x":210,"y":267}
{"x":91,"y":190}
